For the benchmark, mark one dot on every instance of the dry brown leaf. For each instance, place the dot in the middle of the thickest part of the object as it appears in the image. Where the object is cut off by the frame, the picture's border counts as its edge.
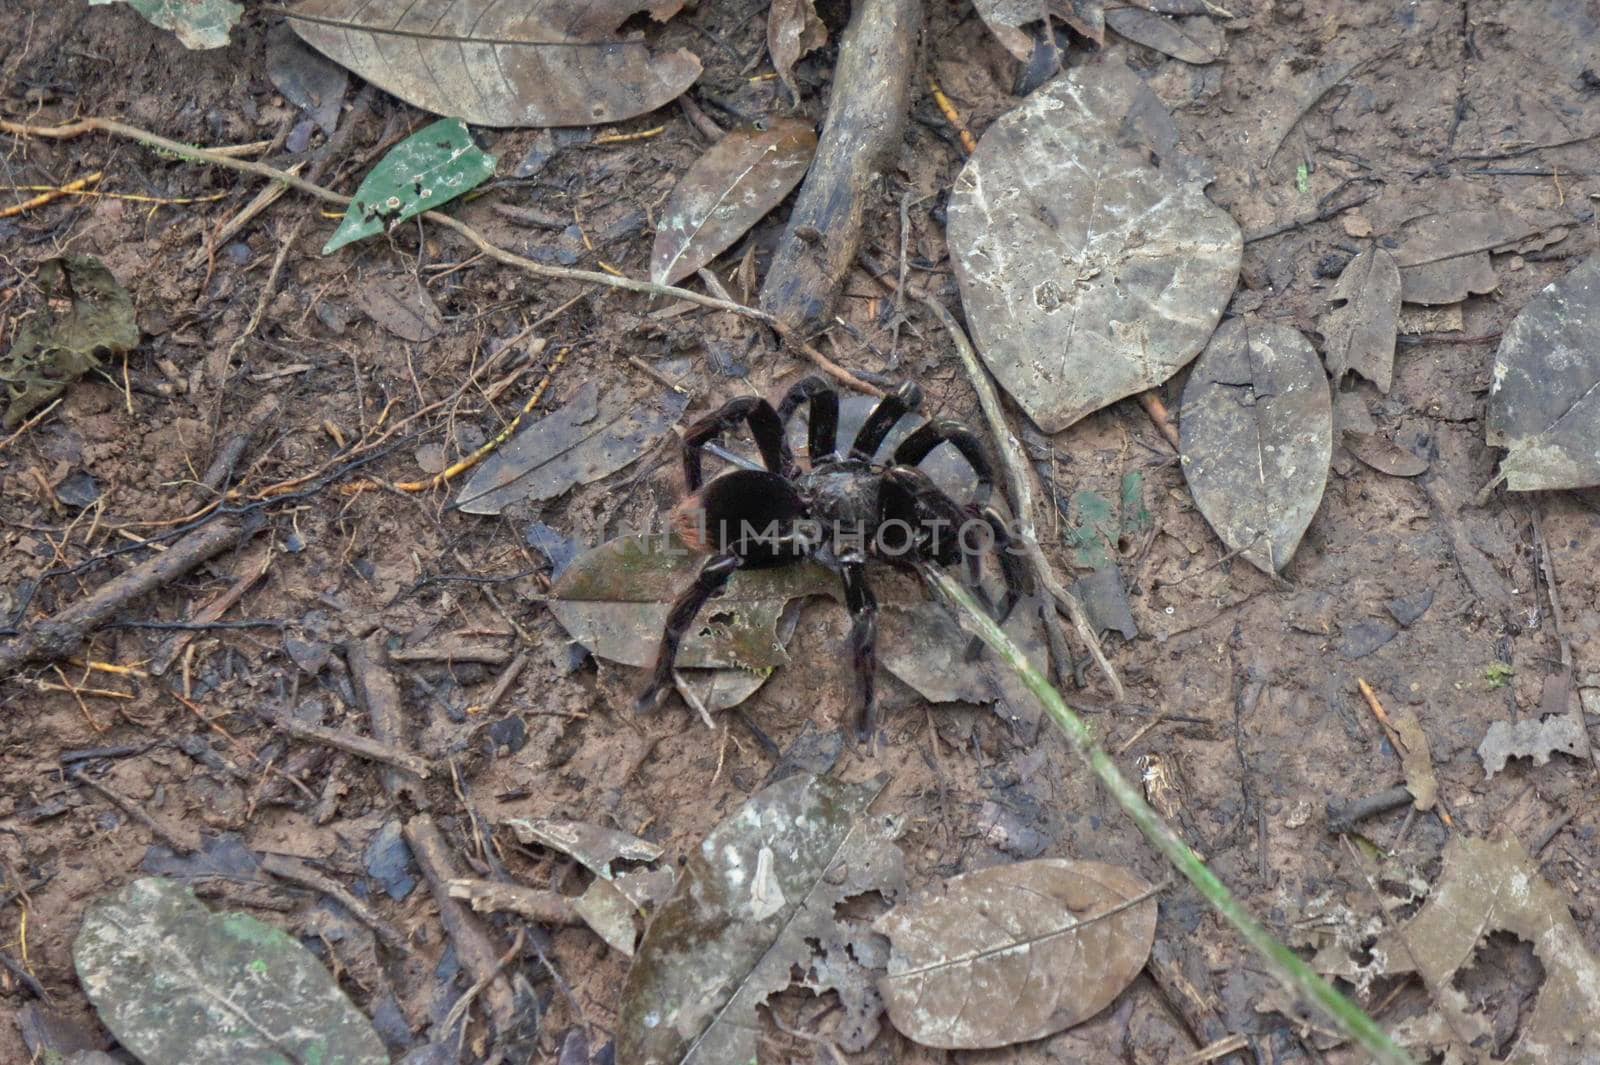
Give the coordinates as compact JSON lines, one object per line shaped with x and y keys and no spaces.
{"x":531,"y":63}
{"x":1361,"y":330}
{"x":793,"y":29}
{"x":1014,"y":952}
{"x":729,"y":189}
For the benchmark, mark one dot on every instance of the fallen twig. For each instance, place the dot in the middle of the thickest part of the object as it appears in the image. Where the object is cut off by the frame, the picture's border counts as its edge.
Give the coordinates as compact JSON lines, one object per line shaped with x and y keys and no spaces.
{"x":867,"y":110}
{"x":536,"y":904}
{"x":360,"y":746}
{"x":378,"y":696}
{"x":297,"y":872}
{"x":63,"y":634}
{"x":1014,"y":463}
{"x":471,"y":940}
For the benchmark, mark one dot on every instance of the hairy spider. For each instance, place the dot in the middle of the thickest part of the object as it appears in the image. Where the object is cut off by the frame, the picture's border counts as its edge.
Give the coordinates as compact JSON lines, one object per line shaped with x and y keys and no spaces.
{"x":841,"y":512}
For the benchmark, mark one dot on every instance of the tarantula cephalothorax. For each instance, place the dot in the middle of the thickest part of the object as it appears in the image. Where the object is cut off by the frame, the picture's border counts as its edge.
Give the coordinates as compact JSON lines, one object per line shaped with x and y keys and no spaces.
{"x":841,"y":512}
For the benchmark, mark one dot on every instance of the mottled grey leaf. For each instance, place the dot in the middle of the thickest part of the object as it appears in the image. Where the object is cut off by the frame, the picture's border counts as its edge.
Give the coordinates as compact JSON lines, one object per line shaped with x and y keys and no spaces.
{"x":180,"y":985}
{"x":1086,"y":273}
{"x":532,"y":63}
{"x":1014,"y":952}
{"x":594,"y":846}
{"x":729,"y":189}
{"x":1256,"y":430}
{"x":1194,"y":40}
{"x":1444,"y":257}
{"x":614,"y":600}
{"x":585,"y":440}
{"x":1544,"y":395}
{"x":403,"y":307}
{"x":1360,"y":331}
{"x":750,"y":903}
{"x":1529,"y":738}
{"x":1384,"y":455}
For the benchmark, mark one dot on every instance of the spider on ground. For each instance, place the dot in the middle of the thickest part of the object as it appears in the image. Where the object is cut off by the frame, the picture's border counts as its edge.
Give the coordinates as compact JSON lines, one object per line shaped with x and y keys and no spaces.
{"x":843,"y":510}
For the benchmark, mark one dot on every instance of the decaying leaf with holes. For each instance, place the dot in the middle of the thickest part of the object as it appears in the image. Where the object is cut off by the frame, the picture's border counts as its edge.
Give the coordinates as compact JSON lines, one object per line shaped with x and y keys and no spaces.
{"x":1015,"y":952}
{"x":729,"y":189}
{"x":1087,"y":274}
{"x":1488,"y":886}
{"x":429,"y":168}
{"x":1256,"y":438}
{"x":755,"y":901}
{"x":531,"y":63}
{"x":1360,"y":331}
{"x":59,"y":345}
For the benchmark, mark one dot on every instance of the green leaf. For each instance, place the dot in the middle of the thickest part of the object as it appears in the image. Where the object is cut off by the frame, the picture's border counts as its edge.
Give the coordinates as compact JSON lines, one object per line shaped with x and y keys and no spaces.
{"x":431,"y":167}
{"x":199,"y":24}
{"x":176,"y":983}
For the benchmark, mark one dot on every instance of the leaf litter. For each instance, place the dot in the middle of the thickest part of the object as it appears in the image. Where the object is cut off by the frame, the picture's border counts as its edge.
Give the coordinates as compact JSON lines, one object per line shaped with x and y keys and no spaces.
{"x":1256,"y":430}
{"x":57,"y":347}
{"x":180,"y":985}
{"x":726,"y":191}
{"x":1487,"y":886}
{"x":793,"y":31}
{"x":1531,"y":738}
{"x":1087,"y":274}
{"x":1360,"y":332}
{"x":1544,"y":406}
{"x":533,"y":63}
{"x":753,"y":901}
{"x":588,"y":438}
{"x":431,"y":167}
{"x":1015,"y":952}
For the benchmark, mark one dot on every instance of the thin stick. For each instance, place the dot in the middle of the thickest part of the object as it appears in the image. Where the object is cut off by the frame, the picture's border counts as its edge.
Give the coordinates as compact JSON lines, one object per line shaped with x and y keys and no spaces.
{"x":1016,"y":470}
{"x":360,"y":746}
{"x":1297,"y":977}
{"x":493,"y":251}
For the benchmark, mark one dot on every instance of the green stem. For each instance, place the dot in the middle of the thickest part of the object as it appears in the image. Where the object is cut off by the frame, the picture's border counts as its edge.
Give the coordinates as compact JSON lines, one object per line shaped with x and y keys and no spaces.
{"x":1295,"y":975}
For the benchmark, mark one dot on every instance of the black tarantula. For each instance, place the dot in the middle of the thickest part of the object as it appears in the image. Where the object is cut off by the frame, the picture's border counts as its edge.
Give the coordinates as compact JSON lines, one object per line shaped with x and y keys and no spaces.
{"x":842,"y":511}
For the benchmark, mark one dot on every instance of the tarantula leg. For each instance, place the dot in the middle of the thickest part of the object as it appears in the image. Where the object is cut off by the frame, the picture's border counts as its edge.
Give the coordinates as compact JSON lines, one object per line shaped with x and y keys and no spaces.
{"x":863,"y":608}
{"x":823,"y":431}
{"x":764,"y":427}
{"x":890,"y":409}
{"x":710,"y":580}
{"x":916,"y":447}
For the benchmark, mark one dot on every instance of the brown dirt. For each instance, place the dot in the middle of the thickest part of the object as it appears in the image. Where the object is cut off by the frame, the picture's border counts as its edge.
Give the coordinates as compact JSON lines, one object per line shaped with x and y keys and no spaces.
{"x":1255,"y":684}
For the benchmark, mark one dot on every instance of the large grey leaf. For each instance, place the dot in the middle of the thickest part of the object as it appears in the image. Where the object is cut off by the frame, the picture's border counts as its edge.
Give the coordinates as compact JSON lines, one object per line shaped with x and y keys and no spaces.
{"x":1015,"y":952}
{"x":751,"y":900}
{"x":1256,"y":435}
{"x":590,"y":437}
{"x":614,"y":600}
{"x":180,"y":985}
{"x":1360,"y":331}
{"x":1544,"y":396}
{"x":530,"y":63}
{"x":1087,"y":274}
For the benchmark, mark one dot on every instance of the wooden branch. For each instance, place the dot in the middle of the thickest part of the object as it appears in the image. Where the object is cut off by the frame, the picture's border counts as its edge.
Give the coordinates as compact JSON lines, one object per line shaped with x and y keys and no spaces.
{"x":867,"y":110}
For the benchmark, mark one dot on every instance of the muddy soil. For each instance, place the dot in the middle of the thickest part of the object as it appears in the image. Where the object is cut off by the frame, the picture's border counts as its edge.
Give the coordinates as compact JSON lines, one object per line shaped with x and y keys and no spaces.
{"x":1243,"y":690}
